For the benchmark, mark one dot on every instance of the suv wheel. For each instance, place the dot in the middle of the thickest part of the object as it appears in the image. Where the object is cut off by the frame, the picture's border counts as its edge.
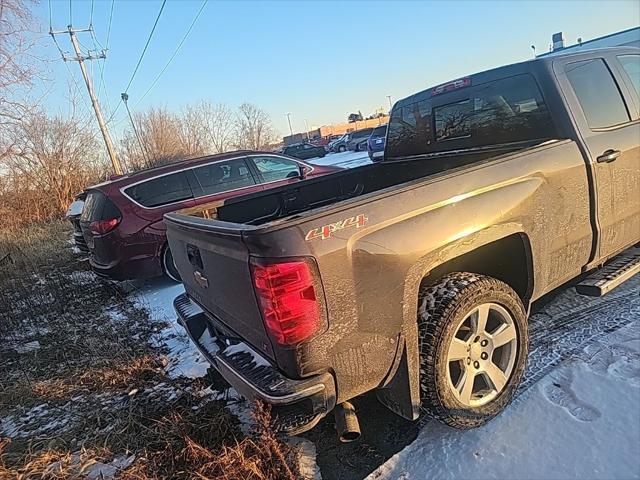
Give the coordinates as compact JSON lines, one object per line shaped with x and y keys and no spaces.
{"x":473,"y":348}
{"x":341,"y":148}
{"x":169,"y":266}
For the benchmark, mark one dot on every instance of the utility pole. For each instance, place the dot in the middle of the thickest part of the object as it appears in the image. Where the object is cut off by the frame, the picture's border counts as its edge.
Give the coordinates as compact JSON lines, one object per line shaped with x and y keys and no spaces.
{"x":306,"y":126}
{"x":125,"y":100}
{"x":289,"y":120}
{"x":80,"y":58}
{"x":389,"y":98}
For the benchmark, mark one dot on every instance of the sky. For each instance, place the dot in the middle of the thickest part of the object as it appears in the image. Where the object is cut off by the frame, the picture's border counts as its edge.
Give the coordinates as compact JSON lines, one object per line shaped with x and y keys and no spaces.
{"x":318,"y":61}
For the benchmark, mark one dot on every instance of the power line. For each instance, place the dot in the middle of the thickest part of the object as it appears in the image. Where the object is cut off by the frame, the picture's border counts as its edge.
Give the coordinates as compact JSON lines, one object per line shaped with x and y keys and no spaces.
{"x":106,"y":48}
{"x":144,"y":50}
{"x":175,"y":52}
{"x":113,"y":2}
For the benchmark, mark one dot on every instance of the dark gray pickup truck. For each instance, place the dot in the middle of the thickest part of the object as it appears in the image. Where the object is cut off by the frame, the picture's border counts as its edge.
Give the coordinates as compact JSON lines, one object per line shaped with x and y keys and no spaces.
{"x":414,"y":277}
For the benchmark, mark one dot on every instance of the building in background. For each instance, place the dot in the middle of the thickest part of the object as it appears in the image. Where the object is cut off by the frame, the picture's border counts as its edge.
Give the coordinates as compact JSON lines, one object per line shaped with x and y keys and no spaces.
{"x":628,"y":38}
{"x":337,"y":129}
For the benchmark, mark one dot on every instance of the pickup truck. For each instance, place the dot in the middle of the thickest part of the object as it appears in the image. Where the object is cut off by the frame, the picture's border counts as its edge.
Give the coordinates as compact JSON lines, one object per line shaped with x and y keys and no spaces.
{"x":414,"y":277}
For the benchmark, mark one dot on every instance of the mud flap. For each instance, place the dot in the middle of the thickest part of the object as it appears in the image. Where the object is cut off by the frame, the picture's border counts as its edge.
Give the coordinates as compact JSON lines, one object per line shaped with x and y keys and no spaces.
{"x":401,"y":394}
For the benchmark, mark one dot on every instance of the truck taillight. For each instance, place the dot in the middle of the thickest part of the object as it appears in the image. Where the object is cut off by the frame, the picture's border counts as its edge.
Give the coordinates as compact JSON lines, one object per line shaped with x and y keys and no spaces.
{"x":100,"y":227}
{"x":288,"y":300}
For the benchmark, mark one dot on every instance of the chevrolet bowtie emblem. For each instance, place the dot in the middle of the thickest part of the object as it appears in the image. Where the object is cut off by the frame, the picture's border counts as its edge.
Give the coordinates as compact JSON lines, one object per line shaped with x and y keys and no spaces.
{"x":201,"y":279}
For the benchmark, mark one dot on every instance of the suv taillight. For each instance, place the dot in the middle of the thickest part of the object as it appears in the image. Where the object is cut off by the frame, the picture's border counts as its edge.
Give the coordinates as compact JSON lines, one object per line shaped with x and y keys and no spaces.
{"x":288,"y":301}
{"x":100,"y":227}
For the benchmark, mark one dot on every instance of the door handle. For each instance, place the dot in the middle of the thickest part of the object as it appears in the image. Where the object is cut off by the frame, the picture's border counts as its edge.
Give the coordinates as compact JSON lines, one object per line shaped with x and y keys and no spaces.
{"x":608,"y":156}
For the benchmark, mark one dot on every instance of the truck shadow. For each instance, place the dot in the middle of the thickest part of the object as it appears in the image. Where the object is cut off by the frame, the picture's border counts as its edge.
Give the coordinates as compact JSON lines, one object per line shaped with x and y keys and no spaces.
{"x":383,"y":435}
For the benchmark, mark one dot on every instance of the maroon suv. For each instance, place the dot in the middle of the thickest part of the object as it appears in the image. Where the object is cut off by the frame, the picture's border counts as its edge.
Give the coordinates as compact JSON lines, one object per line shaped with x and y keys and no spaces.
{"x":122,"y":219}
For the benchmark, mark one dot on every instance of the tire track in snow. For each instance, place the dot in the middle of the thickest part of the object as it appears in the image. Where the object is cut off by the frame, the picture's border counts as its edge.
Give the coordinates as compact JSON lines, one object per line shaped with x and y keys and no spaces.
{"x":554,"y":337}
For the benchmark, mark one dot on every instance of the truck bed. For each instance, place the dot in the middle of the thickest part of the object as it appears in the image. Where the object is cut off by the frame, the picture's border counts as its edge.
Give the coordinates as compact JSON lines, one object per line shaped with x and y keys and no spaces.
{"x":273,"y":204}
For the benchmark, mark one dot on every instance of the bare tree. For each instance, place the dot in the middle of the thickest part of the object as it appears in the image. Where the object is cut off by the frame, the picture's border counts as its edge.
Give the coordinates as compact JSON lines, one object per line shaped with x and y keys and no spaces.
{"x":218,"y":125}
{"x":253,"y":128}
{"x":52,"y":159}
{"x":193,"y":134}
{"x":208,"y":127}
{"x":16,"y":67}
{"x":162,"y":140}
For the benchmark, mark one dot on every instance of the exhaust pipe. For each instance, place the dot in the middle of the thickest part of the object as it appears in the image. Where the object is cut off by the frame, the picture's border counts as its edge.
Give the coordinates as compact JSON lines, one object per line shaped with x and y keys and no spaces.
{"x":347,"y":423}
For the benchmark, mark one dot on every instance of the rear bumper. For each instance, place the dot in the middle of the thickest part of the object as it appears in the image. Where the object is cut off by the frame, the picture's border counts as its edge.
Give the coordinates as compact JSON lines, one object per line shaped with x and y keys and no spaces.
{"x":128,"y":269}
{"x":296,"y":405}
{"x":80,"y":242}
{"x":376,"y":154}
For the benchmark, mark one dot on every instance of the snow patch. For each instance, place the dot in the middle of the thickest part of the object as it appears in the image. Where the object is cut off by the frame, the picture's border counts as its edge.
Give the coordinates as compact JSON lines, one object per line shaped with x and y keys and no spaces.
{"x":580,"y":421}
{"x":27,"y":347}
{"x":244,"y":348}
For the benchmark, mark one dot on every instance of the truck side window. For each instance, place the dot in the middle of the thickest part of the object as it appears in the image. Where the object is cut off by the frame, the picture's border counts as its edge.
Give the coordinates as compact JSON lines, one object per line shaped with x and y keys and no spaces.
{"x":597,"y":93}
{"x":631,"y":65}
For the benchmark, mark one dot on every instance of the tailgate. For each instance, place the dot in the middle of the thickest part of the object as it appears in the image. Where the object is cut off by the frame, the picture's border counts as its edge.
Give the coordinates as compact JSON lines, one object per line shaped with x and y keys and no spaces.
{"x":214,"y":266}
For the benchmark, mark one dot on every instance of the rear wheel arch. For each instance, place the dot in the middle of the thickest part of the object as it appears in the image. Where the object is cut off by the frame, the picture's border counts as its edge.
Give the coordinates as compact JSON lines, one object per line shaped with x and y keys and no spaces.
{"x":508,"y":259}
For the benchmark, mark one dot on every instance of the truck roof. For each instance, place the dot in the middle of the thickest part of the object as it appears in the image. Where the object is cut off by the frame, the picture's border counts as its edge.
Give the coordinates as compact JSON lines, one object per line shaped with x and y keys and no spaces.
{"x":513,"y":69}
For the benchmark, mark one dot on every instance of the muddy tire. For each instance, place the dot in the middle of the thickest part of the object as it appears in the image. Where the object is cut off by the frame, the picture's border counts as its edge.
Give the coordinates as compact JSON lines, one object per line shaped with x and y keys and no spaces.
{"x":169,"y":266}
{"x":473,"y":348}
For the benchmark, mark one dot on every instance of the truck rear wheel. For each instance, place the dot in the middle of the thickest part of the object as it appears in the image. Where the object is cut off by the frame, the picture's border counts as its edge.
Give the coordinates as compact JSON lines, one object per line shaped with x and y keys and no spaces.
{"x":473,"y":348}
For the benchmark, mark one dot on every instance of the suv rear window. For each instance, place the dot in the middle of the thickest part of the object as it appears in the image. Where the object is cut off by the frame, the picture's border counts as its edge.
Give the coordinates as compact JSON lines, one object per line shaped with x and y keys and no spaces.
{"x":379,"y":131}
{"x":507,"y":110}
{"x":98,"y":206}
{"x":161,"y":191}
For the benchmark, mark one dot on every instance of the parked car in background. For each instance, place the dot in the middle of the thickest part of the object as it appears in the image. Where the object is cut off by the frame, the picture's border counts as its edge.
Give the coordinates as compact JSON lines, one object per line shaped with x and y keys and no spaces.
{"x":320,"y":141}
{"x":122,"y":222}
{"x":339,"y":144}
{"x":304,"y":151}
{"x":73,"y":215}
{"x":375,"y":143}
{"x":357,"y":140}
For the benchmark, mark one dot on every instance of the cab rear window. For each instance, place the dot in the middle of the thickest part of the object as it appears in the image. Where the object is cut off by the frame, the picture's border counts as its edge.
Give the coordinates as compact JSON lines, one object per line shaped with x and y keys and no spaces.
{"x":503,"y":111}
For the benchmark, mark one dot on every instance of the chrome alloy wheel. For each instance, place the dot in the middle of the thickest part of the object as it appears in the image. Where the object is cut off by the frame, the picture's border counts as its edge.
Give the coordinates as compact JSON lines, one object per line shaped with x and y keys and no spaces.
{"x":482,"y":354}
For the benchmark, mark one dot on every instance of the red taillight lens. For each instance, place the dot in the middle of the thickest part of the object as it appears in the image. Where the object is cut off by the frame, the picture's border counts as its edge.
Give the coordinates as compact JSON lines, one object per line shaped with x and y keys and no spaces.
{"x":100,"y":227}
{"x":287,"y":298}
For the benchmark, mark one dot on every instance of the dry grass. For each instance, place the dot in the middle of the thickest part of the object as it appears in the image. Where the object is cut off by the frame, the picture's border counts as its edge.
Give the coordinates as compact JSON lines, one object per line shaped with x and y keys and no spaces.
{"x":91,"y":393}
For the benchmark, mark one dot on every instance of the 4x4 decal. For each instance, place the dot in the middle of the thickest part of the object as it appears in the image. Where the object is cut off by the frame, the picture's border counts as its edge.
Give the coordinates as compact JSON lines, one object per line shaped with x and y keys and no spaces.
{"x":326,"y":231}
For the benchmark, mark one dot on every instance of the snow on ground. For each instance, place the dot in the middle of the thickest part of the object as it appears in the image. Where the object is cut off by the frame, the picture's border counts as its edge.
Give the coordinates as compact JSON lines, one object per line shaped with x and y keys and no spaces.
{"x":185,"y":360}
{"x":344,"y":159}
{"x":580,"y":420}
{"x":157,"y":297}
